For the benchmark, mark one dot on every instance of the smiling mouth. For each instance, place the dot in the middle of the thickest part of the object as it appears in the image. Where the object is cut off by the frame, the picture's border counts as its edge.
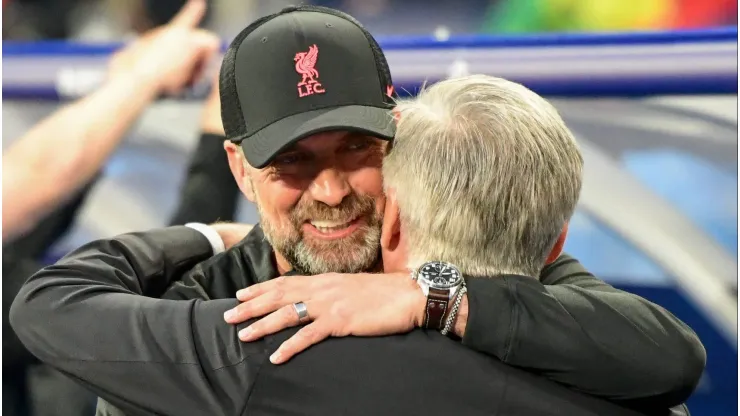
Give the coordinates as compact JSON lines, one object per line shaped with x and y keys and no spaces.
{"x":332,"y":229}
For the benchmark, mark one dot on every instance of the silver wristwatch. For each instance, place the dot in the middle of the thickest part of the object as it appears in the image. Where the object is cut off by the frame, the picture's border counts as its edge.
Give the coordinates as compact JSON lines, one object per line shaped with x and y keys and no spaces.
{"x":440,"y":282}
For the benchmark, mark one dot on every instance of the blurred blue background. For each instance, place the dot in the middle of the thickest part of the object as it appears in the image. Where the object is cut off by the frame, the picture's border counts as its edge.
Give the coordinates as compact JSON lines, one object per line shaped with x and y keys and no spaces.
{"x":113,"y":19}
{"x":663,"y":191}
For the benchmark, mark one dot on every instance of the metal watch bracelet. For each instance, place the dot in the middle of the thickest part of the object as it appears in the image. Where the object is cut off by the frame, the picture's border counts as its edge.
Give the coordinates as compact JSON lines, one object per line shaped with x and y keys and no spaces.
{"x":452,"y":317}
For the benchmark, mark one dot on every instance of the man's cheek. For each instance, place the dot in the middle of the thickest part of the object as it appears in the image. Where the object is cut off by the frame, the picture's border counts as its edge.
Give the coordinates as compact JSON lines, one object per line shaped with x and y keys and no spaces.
{"x":283,"y":222}
{"x":369,"y":182}
{"x":283,"y":205}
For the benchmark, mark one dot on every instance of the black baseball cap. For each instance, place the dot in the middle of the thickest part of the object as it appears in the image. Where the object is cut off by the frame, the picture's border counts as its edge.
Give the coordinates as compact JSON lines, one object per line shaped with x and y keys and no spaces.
{"x":302,"y":71}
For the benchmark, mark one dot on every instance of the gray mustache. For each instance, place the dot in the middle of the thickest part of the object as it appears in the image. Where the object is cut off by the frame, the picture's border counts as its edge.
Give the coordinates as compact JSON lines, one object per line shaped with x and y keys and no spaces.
{"x":351,"y":207}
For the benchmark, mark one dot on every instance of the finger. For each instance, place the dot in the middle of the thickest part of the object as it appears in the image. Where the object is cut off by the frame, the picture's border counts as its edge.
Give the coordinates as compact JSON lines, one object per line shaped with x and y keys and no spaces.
{"x":279,"y":283}
{"x":207,"y":46}
{"x":210,"y":54}
{"x":207,"y":43}
{"x":285,"y":317}
{"x":261,"y":305}
{"x":209,"y":38}
{"x":308,"y":335}
{"x":190,"y":15}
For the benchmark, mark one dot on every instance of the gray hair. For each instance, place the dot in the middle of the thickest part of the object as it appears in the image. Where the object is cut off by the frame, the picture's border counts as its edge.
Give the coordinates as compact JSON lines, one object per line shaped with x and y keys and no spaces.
{"x":486,"y":175}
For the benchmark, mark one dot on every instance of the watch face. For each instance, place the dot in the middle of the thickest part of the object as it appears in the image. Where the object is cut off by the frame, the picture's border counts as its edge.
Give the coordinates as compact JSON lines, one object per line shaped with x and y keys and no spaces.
{"x":440,"y":275}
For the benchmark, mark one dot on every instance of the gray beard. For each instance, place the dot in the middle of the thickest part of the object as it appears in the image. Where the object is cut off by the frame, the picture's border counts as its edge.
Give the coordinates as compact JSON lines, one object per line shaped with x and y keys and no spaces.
{"x":354,"y":254}
{"x":336,"y":256}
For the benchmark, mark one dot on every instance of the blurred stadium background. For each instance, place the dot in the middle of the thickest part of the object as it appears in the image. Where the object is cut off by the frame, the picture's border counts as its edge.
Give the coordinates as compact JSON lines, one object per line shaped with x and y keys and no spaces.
{"x":655,"y":112}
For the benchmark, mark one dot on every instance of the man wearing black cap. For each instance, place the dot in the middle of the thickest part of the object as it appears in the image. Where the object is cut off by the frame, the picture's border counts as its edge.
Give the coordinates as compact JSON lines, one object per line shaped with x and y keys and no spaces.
{"x":322,"y":133}
{"x":273,"y":94}
{"x":316,"y":177}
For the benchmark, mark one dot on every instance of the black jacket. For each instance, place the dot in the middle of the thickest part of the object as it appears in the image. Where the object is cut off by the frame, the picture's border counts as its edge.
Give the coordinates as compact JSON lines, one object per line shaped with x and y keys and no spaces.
{"x":570,"y":326}
{"x":179,"y":356}
{"x":23,"y":257}
{"x":208,"y":192}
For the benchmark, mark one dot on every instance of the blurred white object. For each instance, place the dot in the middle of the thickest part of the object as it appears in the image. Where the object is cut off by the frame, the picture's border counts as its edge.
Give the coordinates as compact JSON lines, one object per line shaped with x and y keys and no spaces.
{"x":442,"y":33}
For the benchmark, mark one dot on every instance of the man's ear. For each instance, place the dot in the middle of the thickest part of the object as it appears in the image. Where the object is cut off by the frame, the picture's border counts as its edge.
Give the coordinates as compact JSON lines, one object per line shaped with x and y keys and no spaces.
{"x":391,"y":230}
{"x":557,"y":249}
{"x":239,"y":169}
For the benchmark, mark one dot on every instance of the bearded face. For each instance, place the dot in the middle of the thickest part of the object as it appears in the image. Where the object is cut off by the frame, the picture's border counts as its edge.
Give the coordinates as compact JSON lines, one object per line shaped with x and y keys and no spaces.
{"x":321,"y":239}
{"x":321,"y":202}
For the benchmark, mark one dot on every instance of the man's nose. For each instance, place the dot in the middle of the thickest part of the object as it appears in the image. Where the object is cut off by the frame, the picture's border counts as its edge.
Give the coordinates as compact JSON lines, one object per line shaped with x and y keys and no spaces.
{"x":330,"y":187}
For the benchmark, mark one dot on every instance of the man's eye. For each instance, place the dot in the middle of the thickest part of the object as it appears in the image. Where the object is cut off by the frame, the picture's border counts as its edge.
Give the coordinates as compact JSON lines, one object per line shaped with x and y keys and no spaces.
{"x":287,"y":159}
{"x":358,"y":146}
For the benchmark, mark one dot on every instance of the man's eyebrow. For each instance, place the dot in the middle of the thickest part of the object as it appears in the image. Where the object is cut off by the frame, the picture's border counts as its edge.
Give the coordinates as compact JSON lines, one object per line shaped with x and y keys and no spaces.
{"x":295,"y":147}
{"x":349,"y":137}
{"x":358,"y":136}
{"x":353,"y":137}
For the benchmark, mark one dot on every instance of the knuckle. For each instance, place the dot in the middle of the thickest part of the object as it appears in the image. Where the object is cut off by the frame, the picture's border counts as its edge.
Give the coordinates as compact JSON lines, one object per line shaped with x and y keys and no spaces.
{"x":336,"y":293}
{"x":289,"y":313}
{"x":330,"y":282}
{"x":280,"y":281}
{"x":308,"y":332}
{"x":340,"y":311}
{"x":277,"y":294}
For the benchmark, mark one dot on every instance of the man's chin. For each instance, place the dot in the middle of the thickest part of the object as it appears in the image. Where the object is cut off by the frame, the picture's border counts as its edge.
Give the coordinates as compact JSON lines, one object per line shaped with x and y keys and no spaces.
{"x":346,"y":255}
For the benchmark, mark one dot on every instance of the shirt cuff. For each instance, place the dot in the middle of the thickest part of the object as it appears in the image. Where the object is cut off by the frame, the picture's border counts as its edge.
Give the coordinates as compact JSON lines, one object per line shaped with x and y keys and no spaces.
{"x":217,"y":243}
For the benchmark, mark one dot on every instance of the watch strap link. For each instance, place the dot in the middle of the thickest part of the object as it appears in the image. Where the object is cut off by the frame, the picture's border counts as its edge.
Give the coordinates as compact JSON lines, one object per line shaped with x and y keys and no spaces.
{"x":452,"y":317}
{"x":437,"y":302}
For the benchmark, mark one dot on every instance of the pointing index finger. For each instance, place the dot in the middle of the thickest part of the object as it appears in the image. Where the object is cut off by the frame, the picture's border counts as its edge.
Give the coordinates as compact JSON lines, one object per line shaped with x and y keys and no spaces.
{"x":190,"y":15}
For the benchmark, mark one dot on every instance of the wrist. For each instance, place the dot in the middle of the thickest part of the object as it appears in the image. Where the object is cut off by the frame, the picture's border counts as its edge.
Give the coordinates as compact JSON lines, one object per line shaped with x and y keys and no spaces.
{"x":131,"y":84}
{"x":441,"y":284}
{"x":213,"y":236}
{"x":451,"y":316}
{"x":231,"y":233}
{"x":461,"y":321}
{"x":418,"y":301}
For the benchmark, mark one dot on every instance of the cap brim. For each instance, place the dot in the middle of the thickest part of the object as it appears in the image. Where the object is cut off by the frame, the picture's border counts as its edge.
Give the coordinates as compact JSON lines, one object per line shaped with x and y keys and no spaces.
{"x":261,"y":147}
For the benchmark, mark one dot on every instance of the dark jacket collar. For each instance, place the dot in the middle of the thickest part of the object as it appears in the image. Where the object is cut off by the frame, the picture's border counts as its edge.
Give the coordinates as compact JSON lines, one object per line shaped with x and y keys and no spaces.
{"x":259,"y":255}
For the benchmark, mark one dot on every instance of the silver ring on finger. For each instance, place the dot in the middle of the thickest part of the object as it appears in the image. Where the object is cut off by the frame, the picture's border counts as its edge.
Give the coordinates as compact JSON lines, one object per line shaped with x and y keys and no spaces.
{"x":302,"y":311}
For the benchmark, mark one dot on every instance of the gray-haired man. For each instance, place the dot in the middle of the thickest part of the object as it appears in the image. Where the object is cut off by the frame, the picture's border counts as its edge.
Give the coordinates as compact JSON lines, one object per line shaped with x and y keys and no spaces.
{"x":320,"y":197}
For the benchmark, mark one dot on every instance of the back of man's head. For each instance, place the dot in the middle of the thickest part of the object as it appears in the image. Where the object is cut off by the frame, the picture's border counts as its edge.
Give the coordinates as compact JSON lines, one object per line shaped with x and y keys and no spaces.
{"x":486,"y":175}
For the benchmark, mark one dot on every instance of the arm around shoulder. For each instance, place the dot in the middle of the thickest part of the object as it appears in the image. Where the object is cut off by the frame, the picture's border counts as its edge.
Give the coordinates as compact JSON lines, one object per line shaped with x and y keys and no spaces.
{"x":677,"y":365}
{"x":92,"y":316}
{"x":583,"y":333}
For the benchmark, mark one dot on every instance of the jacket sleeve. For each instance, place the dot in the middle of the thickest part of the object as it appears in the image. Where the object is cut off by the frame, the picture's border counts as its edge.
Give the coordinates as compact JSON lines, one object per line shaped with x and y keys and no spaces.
{"x":175,"y":357}
{"x":581,"y":332}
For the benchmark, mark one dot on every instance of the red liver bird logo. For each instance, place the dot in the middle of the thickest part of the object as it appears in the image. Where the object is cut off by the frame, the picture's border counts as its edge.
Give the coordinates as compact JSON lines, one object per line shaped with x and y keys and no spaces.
{"x":305,"y":63}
